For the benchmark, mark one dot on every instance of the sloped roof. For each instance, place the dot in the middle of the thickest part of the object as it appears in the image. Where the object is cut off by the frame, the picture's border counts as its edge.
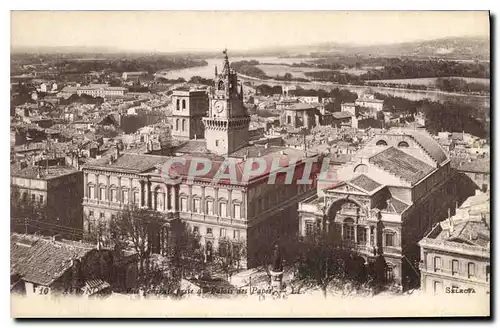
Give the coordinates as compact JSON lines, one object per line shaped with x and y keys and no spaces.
{"x":43,"y":261}
{"x":129,"y":162}
{"x":401,"y":165}
{"x":300,"y":106}
{"x":365,"y":182}
{"x":395,"y":205}
{"x":424,"y":139}
{"x":340,"y":115}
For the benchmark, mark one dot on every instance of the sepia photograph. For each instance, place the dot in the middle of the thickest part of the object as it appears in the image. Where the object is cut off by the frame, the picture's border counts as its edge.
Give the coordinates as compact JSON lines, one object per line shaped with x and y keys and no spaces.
{"x":250,"y":164}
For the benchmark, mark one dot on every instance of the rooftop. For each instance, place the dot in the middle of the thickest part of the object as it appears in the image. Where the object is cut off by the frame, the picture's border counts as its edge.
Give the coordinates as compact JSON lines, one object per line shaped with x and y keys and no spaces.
{"x":129,"y":162}
{"x":43,"y":261}
{"x":425,"y":140}
{"x":35,"y":172}
{"x":401,"y":165}
{"x":340,"y":115}
{"x":479,"y":165}
{"x":365,"y":183}
{"x":301,"y":106}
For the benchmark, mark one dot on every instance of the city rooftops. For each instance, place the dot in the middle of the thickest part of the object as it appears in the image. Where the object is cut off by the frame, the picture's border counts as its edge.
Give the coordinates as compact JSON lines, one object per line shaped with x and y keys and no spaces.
{"x":479,"y":165}
{"x":127,"y":162}
{"x":40,"y":172}
{"x":185,"y":91}
{"x":300,"y":107}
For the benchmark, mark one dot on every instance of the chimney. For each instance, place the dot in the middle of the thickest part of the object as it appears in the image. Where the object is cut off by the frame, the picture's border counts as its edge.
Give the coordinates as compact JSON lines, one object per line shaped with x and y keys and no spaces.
{"x":452,"y":225}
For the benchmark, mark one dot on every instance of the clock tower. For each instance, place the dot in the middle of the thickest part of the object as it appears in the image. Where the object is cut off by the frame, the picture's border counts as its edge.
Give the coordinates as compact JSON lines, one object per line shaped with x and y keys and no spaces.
{"x":226,"y":127}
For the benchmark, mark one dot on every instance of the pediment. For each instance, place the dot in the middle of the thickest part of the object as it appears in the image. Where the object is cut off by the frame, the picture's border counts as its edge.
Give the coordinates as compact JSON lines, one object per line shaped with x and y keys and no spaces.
{"x":347,"y":188}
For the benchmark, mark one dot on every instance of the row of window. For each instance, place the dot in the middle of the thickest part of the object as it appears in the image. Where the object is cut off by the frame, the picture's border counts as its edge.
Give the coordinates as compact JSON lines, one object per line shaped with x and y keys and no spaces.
{"x":101,"y":194}
{"x":33,"y":197}
{"x":178,"y":104}
{"x":455,"y":268}
{"x":353,"y":233}
{"x":209,"y":208}
{"x":402,"y":144}
{"x":178,"y":127}
{"x":222,"y":232}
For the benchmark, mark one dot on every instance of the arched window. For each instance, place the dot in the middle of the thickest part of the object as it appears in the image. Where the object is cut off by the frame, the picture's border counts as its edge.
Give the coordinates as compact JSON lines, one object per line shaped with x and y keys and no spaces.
{"x":183,"y":103}
{"x":196,"y":205}
{"x":223,"y":208}
{"x":221,"y":85}
{"x":102,"y":192}
{"x":361,"y":168}
{"x":381,"y":143}
{"x":177,"y":125}
{"x":113,"y":194}
{"x":178,"y":107}
{"x":183,"y":124}
{"x":349,"y":229}
{"x":125,"y":196}
{"x":159,"y":199}
{"x":403,"y":144}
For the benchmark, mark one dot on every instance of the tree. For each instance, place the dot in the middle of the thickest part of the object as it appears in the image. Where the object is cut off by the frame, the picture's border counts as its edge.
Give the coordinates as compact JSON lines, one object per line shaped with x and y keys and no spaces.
{"x":137,"y":227}
{"x":229,"y":255}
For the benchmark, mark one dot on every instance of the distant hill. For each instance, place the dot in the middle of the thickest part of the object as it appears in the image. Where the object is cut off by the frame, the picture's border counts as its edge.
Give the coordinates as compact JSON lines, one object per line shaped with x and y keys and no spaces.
{"x":460,"y":48}
{"x":62,"y":50}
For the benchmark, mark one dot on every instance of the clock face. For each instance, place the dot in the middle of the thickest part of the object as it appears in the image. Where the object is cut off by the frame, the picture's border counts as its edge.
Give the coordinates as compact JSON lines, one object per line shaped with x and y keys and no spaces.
{"x":219,"y":107}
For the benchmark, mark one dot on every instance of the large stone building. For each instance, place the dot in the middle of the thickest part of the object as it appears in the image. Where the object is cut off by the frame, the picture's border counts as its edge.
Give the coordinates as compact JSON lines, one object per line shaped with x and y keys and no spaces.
{"x":250,"y":212}
{"x":456,"y":253}
{"x":58,"y":189}
{"x":384,"y":200}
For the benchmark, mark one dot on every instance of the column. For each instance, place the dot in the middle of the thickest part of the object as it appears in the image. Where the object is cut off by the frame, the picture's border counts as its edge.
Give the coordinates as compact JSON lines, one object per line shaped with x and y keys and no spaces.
{"x":230,"y":203}
{"x":85,"y":182}
{"x":355,"y":233}
{"x":169,"y":197}
{"x":108,"y":196}
{"x":130,"y":192}
{"x":119,"y":191}
{"x":141,"y":202}
{"x":342,"y":231}
{"x":368,"y":236}
{"x":216,"y":201}
{"x":190,"y":200}
{"x":203,"y":205}
{"x":375,"y":237}
{"x":244,"y":204}
{"x":176,"y":198}
{"x":147,"y":192}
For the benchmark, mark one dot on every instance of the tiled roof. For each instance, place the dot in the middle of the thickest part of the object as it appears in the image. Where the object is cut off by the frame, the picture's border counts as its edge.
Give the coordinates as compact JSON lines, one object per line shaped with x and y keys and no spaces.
{"x":340,"y":115}
{"x":43,"y":261}
{"x":476,"y":232}
{"x":129,"y":162}
{"x":31,"y":171}
{"x":300,"y":106}
{"x":425,"y":140}
{"x":365,"y":183}
{"x":401,"y":165}
{"x":395,"y":205}
{"x":192,"y":146}
{"x":480,"y":165}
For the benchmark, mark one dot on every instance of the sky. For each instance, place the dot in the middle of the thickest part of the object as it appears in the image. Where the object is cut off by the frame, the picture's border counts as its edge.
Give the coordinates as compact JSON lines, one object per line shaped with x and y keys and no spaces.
{"x":172,"y":31}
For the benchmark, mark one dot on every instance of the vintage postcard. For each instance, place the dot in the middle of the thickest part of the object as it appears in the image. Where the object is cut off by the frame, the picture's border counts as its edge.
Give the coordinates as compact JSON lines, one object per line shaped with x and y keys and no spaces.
{"x":250,"y":164}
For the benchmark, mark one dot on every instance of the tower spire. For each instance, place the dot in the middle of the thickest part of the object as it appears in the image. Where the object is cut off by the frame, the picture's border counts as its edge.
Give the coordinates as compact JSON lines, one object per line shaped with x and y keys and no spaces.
{"x":226,"y":61}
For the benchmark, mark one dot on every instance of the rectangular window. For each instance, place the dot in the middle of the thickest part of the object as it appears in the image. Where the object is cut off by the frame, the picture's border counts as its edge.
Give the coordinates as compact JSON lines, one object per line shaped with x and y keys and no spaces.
{"x":91,"y":214}
{"x":362,"y":235}
{"x":309,"y":228}
{"x":236,"y":211}
{"x":437,"y":264}
{"x":222,"y":232}
{"x":184,"y":203}
{"x":236,"y":234}
{"x":487,"y":273}
{"x":209,"y":231}
{"x":113,"y":217}
{"x":196,"y":229}
{"x":196,"y":205}
{"x":389,"y":239}
{"x":113,"y":195}
{"x":210,"y":207}
{"x":222,"y":210}
{"x":41,"y":199}
{"x":33,"y":197}
{"x":471,"y":270}
{"x":216,"y":143}
{"x":438,"y":287}
{"x":101,"y":215}
{"x":349,"y":232}
{"x":454,"y":267}
{"x":288,"y":120}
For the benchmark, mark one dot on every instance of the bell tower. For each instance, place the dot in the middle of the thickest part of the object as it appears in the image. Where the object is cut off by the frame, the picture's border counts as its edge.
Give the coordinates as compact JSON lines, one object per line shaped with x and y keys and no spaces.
{"x":226,"y":127}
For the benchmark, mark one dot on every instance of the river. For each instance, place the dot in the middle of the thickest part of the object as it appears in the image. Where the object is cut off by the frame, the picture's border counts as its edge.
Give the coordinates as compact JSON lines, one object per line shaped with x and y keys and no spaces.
{"x":415,"y":95}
